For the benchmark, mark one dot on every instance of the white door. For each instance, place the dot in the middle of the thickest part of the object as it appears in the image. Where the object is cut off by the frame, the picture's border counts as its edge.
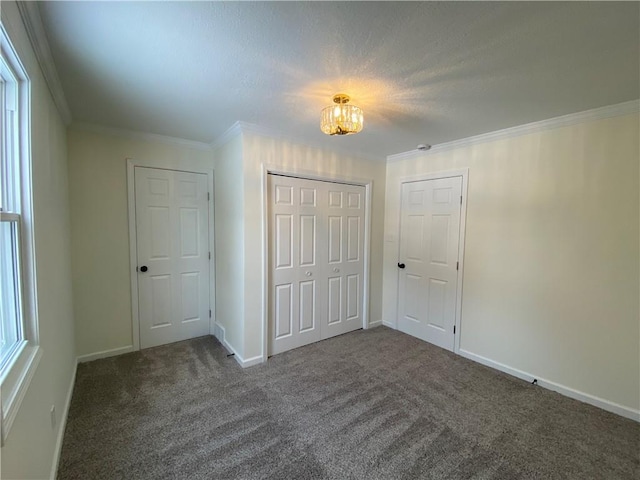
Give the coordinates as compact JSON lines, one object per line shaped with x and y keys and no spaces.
{"x":316,"y":260}
{"x":295,"y":279}
{"x":428,"y":263}
{"x":344,"y":258}
{"x":172,"y":235}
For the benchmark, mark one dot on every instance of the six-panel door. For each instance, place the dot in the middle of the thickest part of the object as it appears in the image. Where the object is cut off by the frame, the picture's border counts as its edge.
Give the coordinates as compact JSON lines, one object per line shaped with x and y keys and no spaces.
{"x":295,"y":282}
{"x":172,"y":234}
{"x":429,"y":240}
{"x":345,"y":258}
{"x":316,"y":261}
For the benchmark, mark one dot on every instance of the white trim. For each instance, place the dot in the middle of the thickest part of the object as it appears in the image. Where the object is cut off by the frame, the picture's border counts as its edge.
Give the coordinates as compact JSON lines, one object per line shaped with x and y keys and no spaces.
{"x":20,"y":374}
{"x":464,"y":173}
{"x":377,"y":323}
{"x":133,"y":253}
{"x":461,"y":249}
{"x":322,"y":176}
{"x":240,"y":127}
{"x":135,"y":135}
{"x":106,"y":354}
{"x":609,"y":111}
{"x":367,"y":183}
{"x":63,"y":425}
{"x":38,"y":38}
{"x":174,"y":165}
{"x":265,"y":263}
{"x":366,"y":285}
{"x":250,"y":362}
{"x":212,"y":249}
{"x":232,"y":132}
{"x":389,"y":324}
{"x":556,"y":387}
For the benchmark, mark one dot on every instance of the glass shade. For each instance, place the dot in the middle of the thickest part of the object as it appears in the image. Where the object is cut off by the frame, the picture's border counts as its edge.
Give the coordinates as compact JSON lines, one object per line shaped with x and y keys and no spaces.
{"x":341,"y":119}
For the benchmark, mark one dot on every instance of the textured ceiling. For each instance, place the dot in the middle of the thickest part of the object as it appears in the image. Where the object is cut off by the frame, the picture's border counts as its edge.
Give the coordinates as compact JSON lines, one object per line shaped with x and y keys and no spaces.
{"x":423,"y":72}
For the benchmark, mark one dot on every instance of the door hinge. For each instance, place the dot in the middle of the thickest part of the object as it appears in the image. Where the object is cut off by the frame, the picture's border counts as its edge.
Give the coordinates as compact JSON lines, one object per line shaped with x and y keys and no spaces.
{"x":208,"y":196}
{"x":209,"y":313}
{"x":209,"y":255}
{"x":460,"y":199}
{"x":454,"y":329}
{"x":457,"y":265}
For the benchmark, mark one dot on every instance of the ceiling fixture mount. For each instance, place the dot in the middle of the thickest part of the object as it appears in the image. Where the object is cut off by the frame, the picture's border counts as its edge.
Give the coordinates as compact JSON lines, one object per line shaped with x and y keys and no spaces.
{"x":341,"y":118}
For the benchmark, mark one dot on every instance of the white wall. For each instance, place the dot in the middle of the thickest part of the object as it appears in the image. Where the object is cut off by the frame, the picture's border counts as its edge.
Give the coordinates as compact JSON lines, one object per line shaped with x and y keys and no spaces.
{"x":31,"y":447}
{"x":229,"y":232}
{"x":100,"y":231}
{"x":259,"y":150}
{"x":551,"y":277}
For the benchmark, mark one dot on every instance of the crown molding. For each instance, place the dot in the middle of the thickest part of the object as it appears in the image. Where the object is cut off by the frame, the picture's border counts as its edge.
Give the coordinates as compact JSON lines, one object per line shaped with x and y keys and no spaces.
{"x":609,"y":111}
{"x":230,"y":133}
{"x":35,"y":31}
{"x":135,"y":135}
{"x":244,"y":128}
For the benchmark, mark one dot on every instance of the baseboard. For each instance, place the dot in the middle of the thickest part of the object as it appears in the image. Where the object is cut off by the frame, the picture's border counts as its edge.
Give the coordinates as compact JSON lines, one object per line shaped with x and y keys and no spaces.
{"x":249,"y":362}
{"x":375,"y":324}
{"x":556,"y":387}
{"x":63,"y":425}
{"x":389,"y":324}
{"x":496,"y":365}
{"x":105,"y":354}
{"x":219,"y":333}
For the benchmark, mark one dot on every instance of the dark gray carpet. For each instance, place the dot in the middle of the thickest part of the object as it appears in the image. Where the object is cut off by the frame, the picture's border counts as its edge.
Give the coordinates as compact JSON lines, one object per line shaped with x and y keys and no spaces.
{"x":373,"y":404}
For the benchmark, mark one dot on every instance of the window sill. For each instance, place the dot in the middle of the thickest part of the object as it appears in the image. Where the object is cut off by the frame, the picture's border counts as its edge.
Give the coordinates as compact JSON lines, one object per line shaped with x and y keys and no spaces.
{"x":15,"y":383}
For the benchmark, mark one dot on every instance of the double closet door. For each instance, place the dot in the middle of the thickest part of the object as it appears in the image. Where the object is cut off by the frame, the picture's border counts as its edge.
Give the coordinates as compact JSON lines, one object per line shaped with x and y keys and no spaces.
{"x":316,"y":260}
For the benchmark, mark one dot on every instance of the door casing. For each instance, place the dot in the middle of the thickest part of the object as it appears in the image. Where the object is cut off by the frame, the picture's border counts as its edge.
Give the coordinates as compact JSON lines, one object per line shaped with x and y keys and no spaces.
{"x":178,"y":165}
{"x":464,"y":173}
{"x":310,"y":175}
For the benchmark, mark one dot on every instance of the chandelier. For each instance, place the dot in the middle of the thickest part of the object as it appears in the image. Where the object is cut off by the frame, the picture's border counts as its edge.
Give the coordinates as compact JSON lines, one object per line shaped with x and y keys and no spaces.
{"x":341,"y":118}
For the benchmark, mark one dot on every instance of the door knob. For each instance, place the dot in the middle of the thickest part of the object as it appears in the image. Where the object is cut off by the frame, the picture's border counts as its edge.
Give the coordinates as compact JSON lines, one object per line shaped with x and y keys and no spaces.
{"x":143,"y":268}
{"x":308,"y":274}
{"x":336,"y":270}
{"x":401,"y":265}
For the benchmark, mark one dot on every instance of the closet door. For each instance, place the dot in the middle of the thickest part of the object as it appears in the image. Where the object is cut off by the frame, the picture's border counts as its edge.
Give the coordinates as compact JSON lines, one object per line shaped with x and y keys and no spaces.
{"x":316,"y":260}
{"x":295,"y":273}
{"x":345,"y":258}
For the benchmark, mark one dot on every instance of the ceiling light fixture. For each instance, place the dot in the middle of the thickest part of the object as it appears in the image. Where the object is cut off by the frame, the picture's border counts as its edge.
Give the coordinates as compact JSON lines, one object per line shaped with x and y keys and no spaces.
{"x":341,"y":118}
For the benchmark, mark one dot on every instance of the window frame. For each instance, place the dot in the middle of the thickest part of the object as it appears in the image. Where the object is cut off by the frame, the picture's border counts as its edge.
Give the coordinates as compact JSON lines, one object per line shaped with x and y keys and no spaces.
{"x":21,"y":366}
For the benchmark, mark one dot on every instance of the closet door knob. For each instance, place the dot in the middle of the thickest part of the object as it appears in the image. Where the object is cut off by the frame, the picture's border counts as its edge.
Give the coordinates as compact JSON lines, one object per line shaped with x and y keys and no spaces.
{"x":143,"y":268}
{"x":401,"y":265}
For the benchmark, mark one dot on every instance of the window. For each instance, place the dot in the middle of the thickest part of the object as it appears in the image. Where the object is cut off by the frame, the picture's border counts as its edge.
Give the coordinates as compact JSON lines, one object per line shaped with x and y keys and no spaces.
{"x":19,"y":352}
{"x":11,"y":332}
